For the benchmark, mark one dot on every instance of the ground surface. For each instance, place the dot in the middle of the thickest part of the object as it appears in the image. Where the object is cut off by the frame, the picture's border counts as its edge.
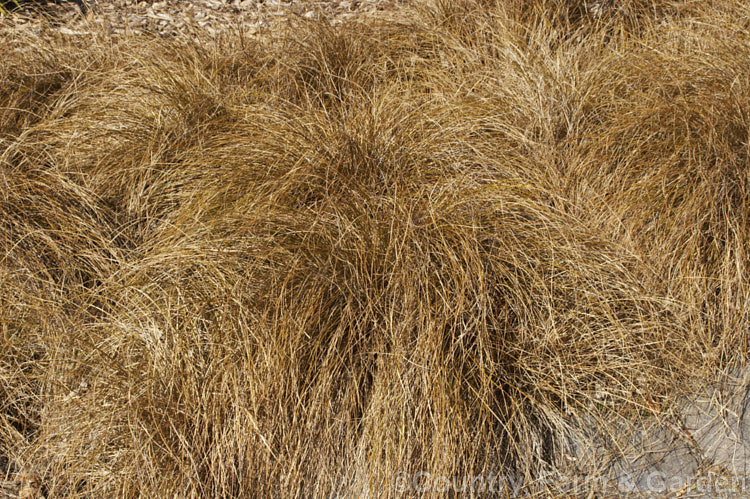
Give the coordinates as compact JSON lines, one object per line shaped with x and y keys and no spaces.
{"x":175,"y":17}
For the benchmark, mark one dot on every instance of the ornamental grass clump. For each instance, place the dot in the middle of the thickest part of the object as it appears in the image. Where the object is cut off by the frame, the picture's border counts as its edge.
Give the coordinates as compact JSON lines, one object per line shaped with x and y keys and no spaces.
{"x":449,"y":242}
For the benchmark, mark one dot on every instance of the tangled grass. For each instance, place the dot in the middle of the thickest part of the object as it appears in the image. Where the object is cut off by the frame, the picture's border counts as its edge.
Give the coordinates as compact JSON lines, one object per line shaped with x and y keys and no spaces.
{"x":302,"y":264}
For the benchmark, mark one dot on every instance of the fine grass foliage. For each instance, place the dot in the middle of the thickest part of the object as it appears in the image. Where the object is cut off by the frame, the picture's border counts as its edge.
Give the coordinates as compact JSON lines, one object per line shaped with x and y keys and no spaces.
{"x":444,"y":242}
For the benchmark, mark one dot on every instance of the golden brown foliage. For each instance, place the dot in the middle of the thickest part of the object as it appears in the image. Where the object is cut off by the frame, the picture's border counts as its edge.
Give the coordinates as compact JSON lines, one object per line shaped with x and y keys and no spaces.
{"x":303,"y":264}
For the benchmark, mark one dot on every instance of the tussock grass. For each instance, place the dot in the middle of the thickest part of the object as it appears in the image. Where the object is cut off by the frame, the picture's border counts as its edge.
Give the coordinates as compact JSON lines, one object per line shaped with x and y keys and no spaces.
{"x":445,"y":242}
